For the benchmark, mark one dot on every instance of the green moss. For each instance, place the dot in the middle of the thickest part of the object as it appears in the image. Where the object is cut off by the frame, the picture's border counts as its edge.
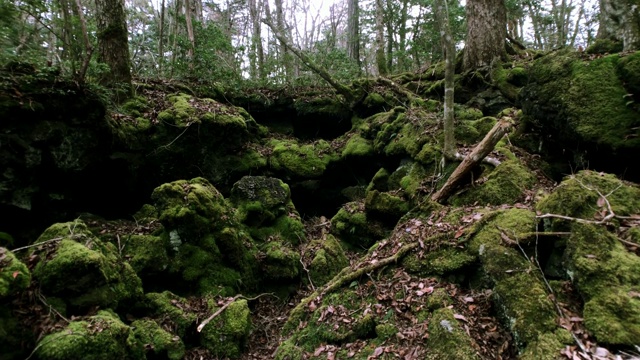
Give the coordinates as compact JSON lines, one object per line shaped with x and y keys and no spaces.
{"x":205,"y":269}
{"x":379,"y":181}
{"x":86,"y":270}
{"x":412,"y":182}
{"x":304,"y":161}
{"x":157,"y":342}
{"x":385,"y":205}
{"x":170,"y":308}
{"x":613,"y":317}
{"x":102,"y":336}
{"x":260,"y":199}
{"x":352,"y":225}
{"x":374,"y":100}
{"x":439,"y":299}
{"x":520,"y":295}
{"x":629,"y":69}
{"x":357,"y":146}
{"x":548,"y":346}
{"x":226,"y":335}
{"x":466,"y":113}
{"x":17,"y":339}
{"x":429,"y":154}
{"x":190,"y":206}
{"x":400,"y":136}
{"x":447,"y":339}
{"x":280,"y":262}
{"x":573,"y":197}
{"x":604,"y":46}
{"x":146,"y":253}
{"x":135,"y":106}
{"x":328,"y":260}
{"x":14,"y":275}
{"x":504,"y":185}
{"x":386,"y":331}
{"x":288,"y":350}
{"x":147,"y":211}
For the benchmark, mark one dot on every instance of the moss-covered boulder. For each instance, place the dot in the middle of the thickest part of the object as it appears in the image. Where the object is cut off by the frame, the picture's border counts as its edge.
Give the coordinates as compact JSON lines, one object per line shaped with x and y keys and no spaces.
{"x":447,"y":338}
{"x":385,"y":205}
{"x":583,"y":109}
{"x":351,"y":224}
{"x":280,"y":262}
{"x":504,"y":184}
{"x":357,"y":146}
{"x":102,"y":336}
{"x":519,"y":292}
{"x":226,"y":335}
{"x":156,"y":342}
{"x":296,"y":160}
{"x":328,"y":259}
{"x":264,"y":205}
{"x":14,"y":275}
{"x":83,"y":270}
{"x":169,"y":310}
{"x":16,"y":339}
{"x":400,"y":131}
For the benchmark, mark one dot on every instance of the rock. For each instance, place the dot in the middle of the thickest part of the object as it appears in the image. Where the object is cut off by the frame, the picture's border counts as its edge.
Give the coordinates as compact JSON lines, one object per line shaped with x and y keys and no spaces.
{"x":226,"y":335}
{"x":14,"y":275}
{"x":328,"y":259}
{"x":156,"y":342}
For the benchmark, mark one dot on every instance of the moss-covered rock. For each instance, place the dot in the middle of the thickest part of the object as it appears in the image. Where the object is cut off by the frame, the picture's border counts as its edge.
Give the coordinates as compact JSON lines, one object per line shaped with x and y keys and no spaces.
{"x":301,"y":160}
{"x":385,"y":205}
{"x":402,"y":132}
{"x":225,"y":336}
{"x":504,"y":185}
{"x":329,"y":258}
{"x":14,"y":275}
{"x":169,"y":309}
{"x":156,"y":342}
{"x":16,"y":339}
{"x":82,"y":269}
{"x":447,"y":339}
{"x":548,"y":346}
{"x":442,"y":261}
{"x":357,"y":146}
{"x":280,"y":262}
{"x":519,"y":293}
{"x":102,"y":336}
{"x":352,"y":225}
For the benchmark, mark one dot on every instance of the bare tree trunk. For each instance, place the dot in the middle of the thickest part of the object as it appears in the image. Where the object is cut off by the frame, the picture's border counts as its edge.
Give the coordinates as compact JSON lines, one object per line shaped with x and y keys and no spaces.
{"x":486,"y":33}
{"x":353,"y":31}
{"x":113,"y":47}
{"x":402,"y":37}
{"x":285,"y":58}
{"x":174,"y":47}
{"x":576,"y":28}
{"x":441,"y":12}
{"x":381,"y":62}
{"x":257,"y":53}
{"x":192,"y":38}
{"x":161,"y":39}
{"x":88,"y":48}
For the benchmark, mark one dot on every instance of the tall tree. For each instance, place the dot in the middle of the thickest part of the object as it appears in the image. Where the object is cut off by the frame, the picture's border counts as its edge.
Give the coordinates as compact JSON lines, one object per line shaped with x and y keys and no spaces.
{"x":381,"y":61}
{"x":353,"y":31}
{"x":441,"y":12}
{"x":621,"y":20}
{"x":113,"y":47}
{"x":486,"y":33}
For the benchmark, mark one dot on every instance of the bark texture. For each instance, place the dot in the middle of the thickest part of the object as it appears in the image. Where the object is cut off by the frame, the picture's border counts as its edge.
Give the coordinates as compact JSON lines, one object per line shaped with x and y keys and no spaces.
{"x":486,"y":33}
{"x":353,"y":31}
{"x":620,"y":20}
{"x":113,"y":46}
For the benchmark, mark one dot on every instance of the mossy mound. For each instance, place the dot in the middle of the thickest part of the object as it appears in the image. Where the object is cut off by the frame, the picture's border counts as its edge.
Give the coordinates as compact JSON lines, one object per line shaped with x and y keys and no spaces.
{"x":280,"y":262}
{"x":156,"y":342}
{"x":519,"y":293}
{"x":504,"y":184}
{"x":82,"y":269}
{"x":352,"y":225}
{"x":225,"y":336}
{"x":16,"y":339}
{"x":103,"y":336}
{"x":14,"y":275}
{"x":447,"y":338}
{"x":469,"y":132}
{"x":264,"y":205}
{"x":170,"y":311}
{"x":579,"y":196}
{"x":328,"y":259}
{"x":582,"y":108}
{"x":305,"y":161}
{"x":386,"y":206}
{"x":400,"y":131}
{"x":357,"y":146}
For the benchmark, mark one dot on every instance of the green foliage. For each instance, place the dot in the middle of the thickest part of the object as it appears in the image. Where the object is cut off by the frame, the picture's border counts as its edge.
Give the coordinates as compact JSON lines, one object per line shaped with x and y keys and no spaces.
{"x":14,"y":275}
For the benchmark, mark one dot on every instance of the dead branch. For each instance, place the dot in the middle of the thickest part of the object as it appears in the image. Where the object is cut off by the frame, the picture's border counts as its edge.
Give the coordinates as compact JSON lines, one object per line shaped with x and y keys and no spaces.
{"x":474,"y":158}
{"x":219,"y":311}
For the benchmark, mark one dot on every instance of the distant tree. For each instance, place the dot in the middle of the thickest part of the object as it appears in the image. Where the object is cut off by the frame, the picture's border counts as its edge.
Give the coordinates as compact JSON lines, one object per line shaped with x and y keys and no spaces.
{"x":486,"y":33}
{"x":353,"y":31}
{"x":381,"y":61}
{"x":113,"y":47}
{"x":441,"y":12}
{"x":620,"y":20}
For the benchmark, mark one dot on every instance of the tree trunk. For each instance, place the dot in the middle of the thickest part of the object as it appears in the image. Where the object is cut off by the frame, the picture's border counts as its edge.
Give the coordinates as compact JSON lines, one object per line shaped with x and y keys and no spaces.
{"x":441,"y":12}
{"x":113,"y":46}
{"x":486,"y":33}
{"x":353,"y":31}
{"x":620,"y":20}
{"x":256,"y":57}
{"x":190,"y":33}
{"x":284,"y":54}
{"x":161,"y":39}
{"x":381,"y":61}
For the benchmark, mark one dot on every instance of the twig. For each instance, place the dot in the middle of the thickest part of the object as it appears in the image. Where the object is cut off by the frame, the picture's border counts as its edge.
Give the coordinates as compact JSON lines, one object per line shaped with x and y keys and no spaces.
{"x":308,"y":274}
{"x":51,"y":308}
{"x":38,"y":244}
{"x":204,"y":323}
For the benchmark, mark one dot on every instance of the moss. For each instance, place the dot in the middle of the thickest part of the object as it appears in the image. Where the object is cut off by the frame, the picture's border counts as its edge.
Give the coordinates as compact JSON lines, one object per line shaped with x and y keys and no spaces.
{"x":170,"y":307}
{"x":304,"y":161}
{"x":400,"y":136}
{"x":613,"y":317}
{"x":226,"y":335}
{"x":102,"y":336}
{"x":260,"y":199}
{"x":357,"y":146}
{"x":439,"y":299}
{"x":379,"y":181}
{"x":204,"y":268}
{"x":14,"y":275}
{"x":280,"y":262}
{"x":16,"y":338}
{"x":504,"y":185}
{"x":189,"y":207}
{"x":629,"y":69}
{"x":429,"y":154}
{"x":375,"y":101}
{"x":447,"y":339}
{"x":288,"y":350}
{"x":385,"y":205}
{"x":573,"y":197}
{"x":157,"y":342}
{"x":135,"y":106}
{"x":147,"y":211}
{"x":352,"y":225}
{"x":466,"y":113}
{"x":441,"y":261}
{"x":87,"y":271}
{"x":520,"y":295}
{"x":181,"y":112}
{"x":386,"y":331}
{"x":146,"y":253}
{"x":327,"y":261}
{"x":604,"y":46}
{"x":547,"y":347}
{"x":412,"y":182}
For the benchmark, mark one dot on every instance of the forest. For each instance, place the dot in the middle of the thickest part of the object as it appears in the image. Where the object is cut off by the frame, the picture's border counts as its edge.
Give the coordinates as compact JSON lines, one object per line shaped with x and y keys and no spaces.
{"x":298,"y":179}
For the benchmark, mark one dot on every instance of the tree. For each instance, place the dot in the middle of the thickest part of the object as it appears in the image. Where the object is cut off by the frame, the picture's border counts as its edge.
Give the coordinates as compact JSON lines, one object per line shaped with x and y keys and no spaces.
{"x":620,"y":20}
{"x":486,"y":33}
{"x":381,"y":61}
{"x":353,"y":31}
{"x":441,"y":12}
{"x":113,"y":47}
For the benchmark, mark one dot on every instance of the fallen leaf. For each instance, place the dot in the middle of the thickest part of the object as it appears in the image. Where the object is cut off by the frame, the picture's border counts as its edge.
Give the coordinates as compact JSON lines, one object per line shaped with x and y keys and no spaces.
{"x":378,"y":351}
{"x":319,"y":351}
{"x":15,"y":274}
{"x":460,"y":317}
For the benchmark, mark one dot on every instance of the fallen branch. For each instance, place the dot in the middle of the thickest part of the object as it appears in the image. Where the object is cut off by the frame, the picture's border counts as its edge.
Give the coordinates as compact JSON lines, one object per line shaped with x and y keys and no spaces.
{"x":474,"y":158}
{"x":219,"y":311}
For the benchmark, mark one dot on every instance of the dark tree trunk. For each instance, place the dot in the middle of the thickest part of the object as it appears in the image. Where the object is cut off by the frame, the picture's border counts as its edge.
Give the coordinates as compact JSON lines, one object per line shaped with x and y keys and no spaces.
{"x":620,"y":20}
{"x":353,"y":31}
{"x":113,"y":46}
{"x":486,"y":33}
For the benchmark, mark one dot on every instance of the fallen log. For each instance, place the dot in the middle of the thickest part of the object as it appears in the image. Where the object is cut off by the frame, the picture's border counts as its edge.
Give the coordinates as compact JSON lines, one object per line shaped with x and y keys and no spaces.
{"x":474,"y":158}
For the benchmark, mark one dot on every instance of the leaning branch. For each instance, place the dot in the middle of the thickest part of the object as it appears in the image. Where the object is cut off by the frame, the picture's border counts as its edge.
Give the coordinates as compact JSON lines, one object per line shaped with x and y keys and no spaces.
{"x":341,"y":89}
{"x":474,"y":158}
